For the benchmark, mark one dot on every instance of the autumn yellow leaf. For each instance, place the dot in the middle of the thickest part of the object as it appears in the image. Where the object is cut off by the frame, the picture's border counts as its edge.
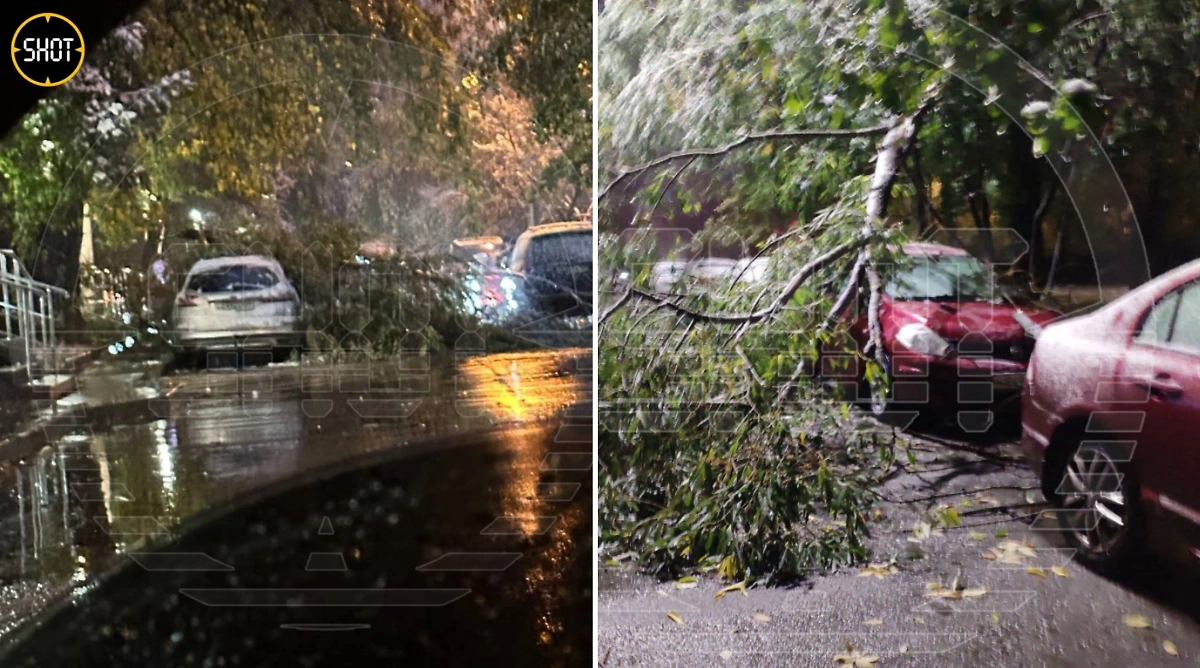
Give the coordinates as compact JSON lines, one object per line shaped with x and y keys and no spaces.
{"x":1060,"y":572}
{"x":1170,"y":648}
{"x":674,"y":616}
{"x":879,"y":571}
{"x":741,"y":586}
{"x":974,"y":593}
{"x":759,"y":617}
{"x":856,"y":660}
{"x":1138,"y":621}
{"x":1034,"y":570}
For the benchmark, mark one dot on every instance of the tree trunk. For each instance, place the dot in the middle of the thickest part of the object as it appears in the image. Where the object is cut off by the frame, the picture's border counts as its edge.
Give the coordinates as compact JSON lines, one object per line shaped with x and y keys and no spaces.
{"x":1022,"y":212}
{"x":56,"y":259}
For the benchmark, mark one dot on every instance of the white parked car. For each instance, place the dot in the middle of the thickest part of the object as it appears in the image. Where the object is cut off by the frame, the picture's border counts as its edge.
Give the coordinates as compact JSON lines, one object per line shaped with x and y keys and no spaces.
{"x":554,"y":261}
{"x":707,"y":271}
{"x":237,"y":304}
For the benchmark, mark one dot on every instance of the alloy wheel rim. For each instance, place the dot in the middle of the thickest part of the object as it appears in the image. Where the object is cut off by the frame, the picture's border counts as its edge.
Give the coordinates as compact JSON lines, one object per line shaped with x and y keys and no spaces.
{"x":1097,"y":514}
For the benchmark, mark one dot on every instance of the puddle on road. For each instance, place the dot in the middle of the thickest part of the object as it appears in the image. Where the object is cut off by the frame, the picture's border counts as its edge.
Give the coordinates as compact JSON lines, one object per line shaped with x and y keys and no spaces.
{"x":76,"y":504}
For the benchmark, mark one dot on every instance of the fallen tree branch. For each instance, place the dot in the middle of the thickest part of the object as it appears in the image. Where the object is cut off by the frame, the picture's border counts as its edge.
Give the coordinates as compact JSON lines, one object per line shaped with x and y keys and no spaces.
{"x":789,"y":290}
{"x":747,"y":139}
{"x":612,"y":309}
{"x":668,"y":185}
{"x":849,"y":290}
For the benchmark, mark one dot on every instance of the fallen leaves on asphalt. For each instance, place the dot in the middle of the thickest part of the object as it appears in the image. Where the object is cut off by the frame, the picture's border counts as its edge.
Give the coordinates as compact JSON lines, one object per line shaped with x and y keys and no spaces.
{"x":1138,"y":621}
{"x":741,"y":586}
{"x":674,"y":616}
{"x":1010,"y":552}
{"x":760,"y":617}
{"x":856,"y":659}
{"x":1060,"y":572}
{"x":1034,"y":570}
{"x":688,"y":582}
{"x":921,"y":531}
{"x":1170,"y":648}
{"x":879,"y":571}
{"x":874,"y":622}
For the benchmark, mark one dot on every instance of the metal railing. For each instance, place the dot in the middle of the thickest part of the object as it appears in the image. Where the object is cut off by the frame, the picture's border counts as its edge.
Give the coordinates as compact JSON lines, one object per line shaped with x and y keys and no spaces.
{"x":29,"y":314}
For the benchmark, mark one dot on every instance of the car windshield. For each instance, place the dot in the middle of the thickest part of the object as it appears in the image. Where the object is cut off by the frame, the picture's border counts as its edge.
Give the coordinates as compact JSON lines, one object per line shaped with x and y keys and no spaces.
{"x":566,"y":248}
{"x":232,"y":278}
{"x":943,"y":277}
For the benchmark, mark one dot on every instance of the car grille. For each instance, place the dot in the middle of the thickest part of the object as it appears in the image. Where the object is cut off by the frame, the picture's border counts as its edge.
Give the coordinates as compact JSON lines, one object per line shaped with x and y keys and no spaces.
{"x":979,"y":346}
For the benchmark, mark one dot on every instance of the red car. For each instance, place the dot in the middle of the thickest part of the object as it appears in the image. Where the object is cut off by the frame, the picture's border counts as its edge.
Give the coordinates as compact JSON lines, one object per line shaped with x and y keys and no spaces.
{"x":953,"y":340}
{"x":1109,"y":414}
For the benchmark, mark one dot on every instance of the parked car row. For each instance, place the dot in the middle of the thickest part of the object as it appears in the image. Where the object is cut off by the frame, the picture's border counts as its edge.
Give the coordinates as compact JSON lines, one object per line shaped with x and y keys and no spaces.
{"x":246,"y":303}
{"x":1108,"y":399}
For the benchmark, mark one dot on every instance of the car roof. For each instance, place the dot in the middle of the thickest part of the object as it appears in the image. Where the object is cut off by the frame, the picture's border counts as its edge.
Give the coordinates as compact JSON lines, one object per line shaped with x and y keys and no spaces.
{"x":924,"y":248}
{"x":232,"y":260}
{"x":478,"y":241}
{"x":555,"y":228}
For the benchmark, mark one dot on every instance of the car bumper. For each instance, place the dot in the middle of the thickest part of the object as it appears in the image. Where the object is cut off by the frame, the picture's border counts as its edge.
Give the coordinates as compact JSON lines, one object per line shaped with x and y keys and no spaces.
{"x":240,"y":340}
{"x":954,"y":381}
{"x":1037,"y":426}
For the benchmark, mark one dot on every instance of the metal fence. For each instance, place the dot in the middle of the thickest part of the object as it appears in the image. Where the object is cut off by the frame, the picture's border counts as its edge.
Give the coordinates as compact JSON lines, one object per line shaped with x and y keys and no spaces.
{"x":29,"y":316}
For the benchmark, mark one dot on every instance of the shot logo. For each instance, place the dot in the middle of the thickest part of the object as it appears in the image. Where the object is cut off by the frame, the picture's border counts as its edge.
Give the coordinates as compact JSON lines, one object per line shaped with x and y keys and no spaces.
{"x":47,"y":50}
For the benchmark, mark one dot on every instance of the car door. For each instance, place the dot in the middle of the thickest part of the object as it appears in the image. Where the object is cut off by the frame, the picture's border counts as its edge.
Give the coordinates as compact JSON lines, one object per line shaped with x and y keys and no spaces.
{"x":1160,"y":377}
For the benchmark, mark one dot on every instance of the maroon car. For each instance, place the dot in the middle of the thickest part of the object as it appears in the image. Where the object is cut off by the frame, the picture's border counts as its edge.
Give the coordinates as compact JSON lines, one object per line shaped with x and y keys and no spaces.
{"x":953,"y":340}
{"x":1110,"y":413}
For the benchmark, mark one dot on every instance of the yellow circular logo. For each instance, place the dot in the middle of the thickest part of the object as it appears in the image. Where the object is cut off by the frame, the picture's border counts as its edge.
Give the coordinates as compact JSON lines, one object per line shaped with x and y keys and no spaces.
{"x":47,"y":50}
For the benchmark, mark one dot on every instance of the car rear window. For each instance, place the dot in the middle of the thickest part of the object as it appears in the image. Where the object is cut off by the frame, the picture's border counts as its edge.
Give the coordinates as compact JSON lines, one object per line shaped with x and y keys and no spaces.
{"x":233,"y":278}
{"x":567,"y":248}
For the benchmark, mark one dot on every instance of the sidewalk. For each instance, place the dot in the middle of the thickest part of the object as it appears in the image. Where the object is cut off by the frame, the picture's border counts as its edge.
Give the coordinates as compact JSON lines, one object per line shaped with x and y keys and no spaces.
{"x":105,"y":392}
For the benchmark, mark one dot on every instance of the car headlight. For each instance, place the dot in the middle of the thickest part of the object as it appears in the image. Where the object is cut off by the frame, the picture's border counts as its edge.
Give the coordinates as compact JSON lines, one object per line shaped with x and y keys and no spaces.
{"x":920,"y":339}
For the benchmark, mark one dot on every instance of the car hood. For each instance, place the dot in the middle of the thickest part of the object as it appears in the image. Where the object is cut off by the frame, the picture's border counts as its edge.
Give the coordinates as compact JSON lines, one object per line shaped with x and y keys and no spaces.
{"x":954,"y":320}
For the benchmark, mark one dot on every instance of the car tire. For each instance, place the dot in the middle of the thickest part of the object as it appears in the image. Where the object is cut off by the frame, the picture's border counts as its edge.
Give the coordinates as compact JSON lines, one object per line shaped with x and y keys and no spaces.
{"x":1099,"y":507}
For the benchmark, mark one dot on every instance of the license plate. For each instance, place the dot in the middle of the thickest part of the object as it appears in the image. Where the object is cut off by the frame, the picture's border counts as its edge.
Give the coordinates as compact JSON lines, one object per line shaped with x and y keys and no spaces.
{"x":234,"y":306}
{"x":1009,"y":381}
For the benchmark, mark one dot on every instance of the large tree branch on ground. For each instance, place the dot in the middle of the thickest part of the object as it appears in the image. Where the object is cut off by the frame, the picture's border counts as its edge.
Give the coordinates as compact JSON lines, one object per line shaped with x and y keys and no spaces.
{"x":848,"y":292}
{"x":607,"y":313}
{"x":745,"y":140}
{"x":892,"y":151}
{"x":788,"y":291}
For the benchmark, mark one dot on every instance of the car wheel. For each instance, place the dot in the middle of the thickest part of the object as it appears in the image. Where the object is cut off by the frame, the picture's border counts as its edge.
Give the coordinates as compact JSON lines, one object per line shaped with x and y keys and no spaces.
{"x":1099,"y":507}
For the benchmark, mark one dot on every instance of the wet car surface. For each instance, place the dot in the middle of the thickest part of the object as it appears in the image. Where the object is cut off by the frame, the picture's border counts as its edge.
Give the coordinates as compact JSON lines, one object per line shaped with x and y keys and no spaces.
{"x":469,"y":481}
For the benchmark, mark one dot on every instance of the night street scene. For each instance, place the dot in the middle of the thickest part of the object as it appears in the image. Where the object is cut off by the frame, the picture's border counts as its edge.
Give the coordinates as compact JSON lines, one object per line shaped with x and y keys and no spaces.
{"x":898,"y":333}
{"x":296,"y":367}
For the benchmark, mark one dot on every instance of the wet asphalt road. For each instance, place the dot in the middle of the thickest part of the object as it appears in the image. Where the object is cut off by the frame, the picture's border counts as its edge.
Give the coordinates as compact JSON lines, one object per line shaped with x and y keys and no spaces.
{"x":1024,"y":619}
{"x":82,"y":504}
